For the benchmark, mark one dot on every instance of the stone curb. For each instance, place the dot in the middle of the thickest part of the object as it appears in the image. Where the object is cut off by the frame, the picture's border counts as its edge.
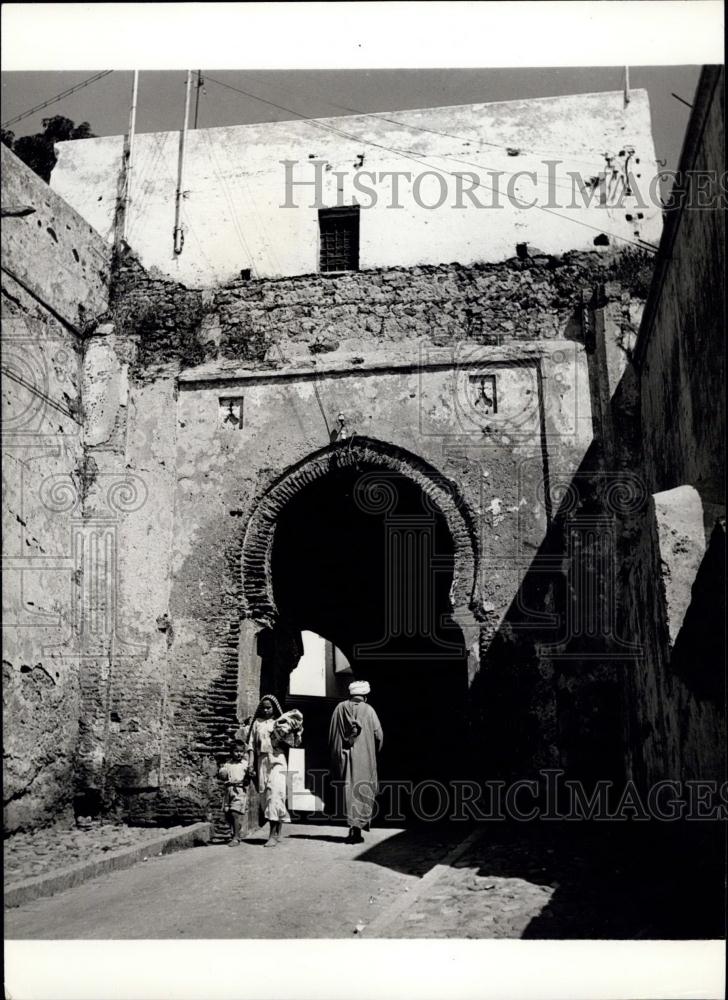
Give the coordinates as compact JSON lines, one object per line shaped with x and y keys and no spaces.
{"x":18,"y":893}
{"x":387,"y":917}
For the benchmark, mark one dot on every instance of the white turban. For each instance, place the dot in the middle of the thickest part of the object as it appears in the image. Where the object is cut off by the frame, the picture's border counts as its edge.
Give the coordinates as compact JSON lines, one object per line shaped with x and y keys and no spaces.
{"x":359,"y":687}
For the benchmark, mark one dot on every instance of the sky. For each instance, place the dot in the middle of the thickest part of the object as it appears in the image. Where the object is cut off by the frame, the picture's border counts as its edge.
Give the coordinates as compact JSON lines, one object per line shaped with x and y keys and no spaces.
{"x":327,"y":93}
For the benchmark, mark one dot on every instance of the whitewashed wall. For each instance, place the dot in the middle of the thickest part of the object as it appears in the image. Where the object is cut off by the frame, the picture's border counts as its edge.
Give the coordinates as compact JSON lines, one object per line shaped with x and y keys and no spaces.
{"x":235,"y":185}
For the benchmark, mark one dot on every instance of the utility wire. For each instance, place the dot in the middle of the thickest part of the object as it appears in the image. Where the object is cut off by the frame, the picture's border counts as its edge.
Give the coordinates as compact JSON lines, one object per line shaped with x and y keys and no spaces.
{"x":228,"y":197}
{"x":392,"y":149}
{"x":151,"y":166}
{"x":58,"y":97}
{"x":382,"y":116}
{"x":263,"y":231}
{"x":480,"y":143}
{"x":641,"y":244}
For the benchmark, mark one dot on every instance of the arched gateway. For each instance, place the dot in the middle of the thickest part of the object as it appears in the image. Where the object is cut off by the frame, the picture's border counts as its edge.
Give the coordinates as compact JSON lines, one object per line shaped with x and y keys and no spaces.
{"x":368,"y":546}
{"x":366,"y":455}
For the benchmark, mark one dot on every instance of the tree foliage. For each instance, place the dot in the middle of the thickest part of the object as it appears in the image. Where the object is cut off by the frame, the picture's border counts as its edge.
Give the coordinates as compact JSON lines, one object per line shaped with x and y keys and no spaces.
{"x":37,"y":150}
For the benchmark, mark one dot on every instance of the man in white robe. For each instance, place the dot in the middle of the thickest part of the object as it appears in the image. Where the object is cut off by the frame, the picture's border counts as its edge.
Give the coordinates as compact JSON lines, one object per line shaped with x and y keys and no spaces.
{"x":355,"y":739}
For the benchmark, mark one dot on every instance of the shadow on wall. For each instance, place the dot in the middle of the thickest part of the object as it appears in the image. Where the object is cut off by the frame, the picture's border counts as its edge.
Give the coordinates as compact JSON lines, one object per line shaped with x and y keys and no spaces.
{"x":699,"y":649}
{"x":584,"y":696}
{"x":548,"y":693}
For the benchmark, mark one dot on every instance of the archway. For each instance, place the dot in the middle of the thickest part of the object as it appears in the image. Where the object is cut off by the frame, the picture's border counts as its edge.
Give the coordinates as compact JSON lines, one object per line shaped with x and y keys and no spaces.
{"x":369,"y":547}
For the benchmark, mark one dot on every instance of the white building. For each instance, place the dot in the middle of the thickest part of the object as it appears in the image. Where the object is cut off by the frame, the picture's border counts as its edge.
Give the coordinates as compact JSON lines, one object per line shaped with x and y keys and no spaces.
{"x":454,"y":184}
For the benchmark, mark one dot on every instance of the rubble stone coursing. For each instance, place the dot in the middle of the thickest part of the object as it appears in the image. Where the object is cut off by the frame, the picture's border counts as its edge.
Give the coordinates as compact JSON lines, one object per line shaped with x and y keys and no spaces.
{"x":262,"y":322}
{"x":238,"y":214}
{"x":152,"y":706}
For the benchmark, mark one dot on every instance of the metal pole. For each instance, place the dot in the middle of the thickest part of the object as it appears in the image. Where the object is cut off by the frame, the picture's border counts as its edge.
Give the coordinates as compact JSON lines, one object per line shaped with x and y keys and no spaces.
{"x":130,"y":153}
{"x":626,"y":85}
{"x":179,"y":237}
{"x":197,"y":96}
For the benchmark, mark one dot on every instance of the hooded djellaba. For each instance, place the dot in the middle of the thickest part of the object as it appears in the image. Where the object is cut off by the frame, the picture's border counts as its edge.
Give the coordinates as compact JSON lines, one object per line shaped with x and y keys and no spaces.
{"x":355,"y":739}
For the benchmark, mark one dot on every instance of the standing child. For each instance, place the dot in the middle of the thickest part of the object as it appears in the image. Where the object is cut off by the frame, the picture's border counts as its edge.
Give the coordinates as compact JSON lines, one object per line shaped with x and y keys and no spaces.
{"x":236,"y":778}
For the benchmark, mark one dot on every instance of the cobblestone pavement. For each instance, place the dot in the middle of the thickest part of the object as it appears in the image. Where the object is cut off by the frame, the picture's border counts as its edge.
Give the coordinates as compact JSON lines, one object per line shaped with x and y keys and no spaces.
{"x":27,"y":855}
{"x":561,"y":881}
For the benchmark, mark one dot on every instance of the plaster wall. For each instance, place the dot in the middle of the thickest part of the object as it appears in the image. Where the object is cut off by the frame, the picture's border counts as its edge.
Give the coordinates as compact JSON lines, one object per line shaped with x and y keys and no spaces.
{"x":676,"y":695}
{"x":235,"y":186}
{"x":55,"y":276}
{"x":182,"y":693}
{"x":178,"y":697}
{"x":681,"y":344}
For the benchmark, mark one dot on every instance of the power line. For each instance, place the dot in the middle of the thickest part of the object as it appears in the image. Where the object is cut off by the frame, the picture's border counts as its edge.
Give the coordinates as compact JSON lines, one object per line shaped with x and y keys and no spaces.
{"x":263,"y":231}
{"x":200,"y":84}
{"x":350,"y":135}
{"x":318,"y":398}
{"x":153,"y":164}
{"x":58,"y":97}
{"x":381,"y":116}
{"x":640,"y":244}
{"x":228,"y":197}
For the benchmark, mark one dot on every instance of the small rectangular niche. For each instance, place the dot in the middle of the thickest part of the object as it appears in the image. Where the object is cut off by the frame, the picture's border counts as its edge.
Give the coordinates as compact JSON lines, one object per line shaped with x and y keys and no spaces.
{"x":484,"y":393}
{"x":230,"y":413}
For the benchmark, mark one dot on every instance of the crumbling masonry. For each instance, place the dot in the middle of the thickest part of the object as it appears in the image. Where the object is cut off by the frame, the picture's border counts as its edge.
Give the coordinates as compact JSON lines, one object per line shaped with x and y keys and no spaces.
{"x":156,"y":436}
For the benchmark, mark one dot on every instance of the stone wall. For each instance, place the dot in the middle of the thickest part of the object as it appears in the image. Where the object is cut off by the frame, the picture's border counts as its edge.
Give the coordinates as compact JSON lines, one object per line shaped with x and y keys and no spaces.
{"x":676,"y":697}
{"x":680,"y":346}
{"x":296,"y":320}
{"x":394,"y":351}
{"x":55,"y":276}
{"x":151,"y":428}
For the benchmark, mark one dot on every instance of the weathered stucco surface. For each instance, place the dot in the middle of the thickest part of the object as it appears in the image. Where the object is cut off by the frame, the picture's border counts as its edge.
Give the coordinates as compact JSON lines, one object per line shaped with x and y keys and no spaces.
{"x":680,"y":345}
{"x":158,"y":440}
{"x":676,"y":696}
{"x":235,"y":186}
{"x":55,"y":280}
{"x":396,"y":352}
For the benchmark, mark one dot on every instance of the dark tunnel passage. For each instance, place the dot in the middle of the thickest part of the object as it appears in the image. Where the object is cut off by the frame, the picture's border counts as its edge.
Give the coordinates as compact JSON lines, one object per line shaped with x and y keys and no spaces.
{"x":362,"y":558}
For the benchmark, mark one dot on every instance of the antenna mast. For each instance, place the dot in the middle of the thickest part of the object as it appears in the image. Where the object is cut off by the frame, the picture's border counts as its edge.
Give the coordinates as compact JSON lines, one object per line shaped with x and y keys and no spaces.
{"x":124,"y":190}
{"x":179,"y":236}
{"x":200,"y":83}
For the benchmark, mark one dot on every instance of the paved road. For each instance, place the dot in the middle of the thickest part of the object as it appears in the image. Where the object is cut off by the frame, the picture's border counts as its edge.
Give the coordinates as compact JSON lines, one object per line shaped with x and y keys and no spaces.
{"x":540,"y":880}
{"x":311,"y":885}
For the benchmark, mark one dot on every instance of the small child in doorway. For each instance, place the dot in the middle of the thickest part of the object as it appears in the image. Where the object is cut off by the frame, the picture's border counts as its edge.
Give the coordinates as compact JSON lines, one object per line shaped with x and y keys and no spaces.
{"x":235,"y":803}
